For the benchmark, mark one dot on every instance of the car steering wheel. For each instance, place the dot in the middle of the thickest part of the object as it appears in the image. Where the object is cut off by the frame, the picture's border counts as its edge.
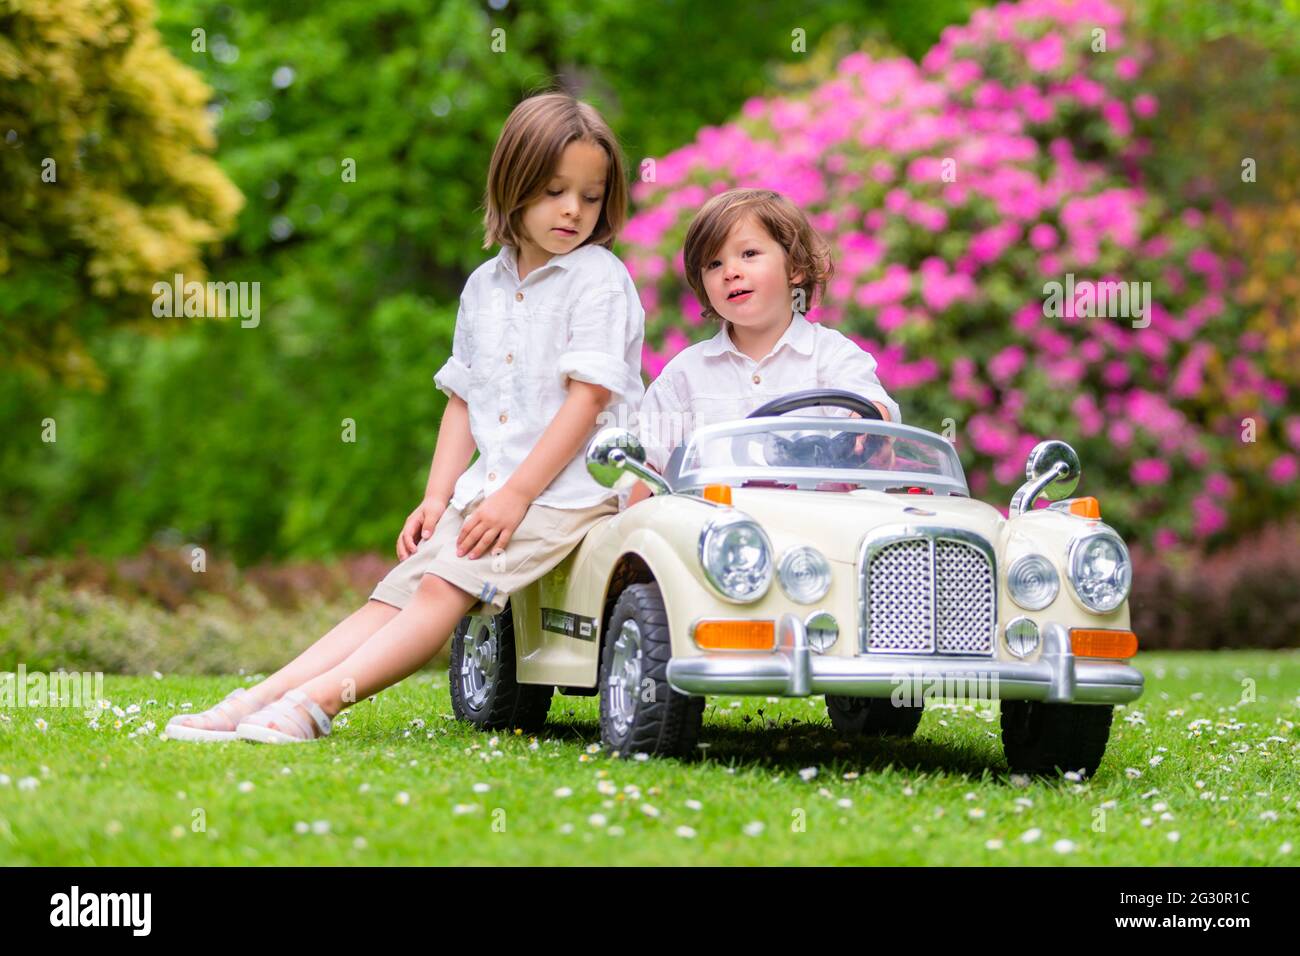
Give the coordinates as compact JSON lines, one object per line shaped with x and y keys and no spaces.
{"x":811,"y":451}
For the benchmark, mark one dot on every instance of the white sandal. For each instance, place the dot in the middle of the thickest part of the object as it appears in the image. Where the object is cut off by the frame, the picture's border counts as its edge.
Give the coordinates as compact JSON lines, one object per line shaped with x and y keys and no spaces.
{"x":256,"y":726}
{"x":180,"y":731}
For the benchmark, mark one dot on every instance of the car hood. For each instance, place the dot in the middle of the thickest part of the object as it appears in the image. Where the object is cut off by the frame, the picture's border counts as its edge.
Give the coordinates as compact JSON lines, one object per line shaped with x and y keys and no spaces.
{"x":835,"y":522}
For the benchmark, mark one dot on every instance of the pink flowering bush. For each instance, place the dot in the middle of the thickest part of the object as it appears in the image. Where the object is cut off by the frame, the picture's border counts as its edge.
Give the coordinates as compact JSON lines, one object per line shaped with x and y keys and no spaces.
{"x":951,"y":192}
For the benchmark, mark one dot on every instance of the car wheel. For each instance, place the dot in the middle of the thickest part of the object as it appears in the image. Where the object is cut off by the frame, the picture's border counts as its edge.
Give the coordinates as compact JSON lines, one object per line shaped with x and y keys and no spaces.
{"x":484,"y":691}
{"x":872,"y":716}
{"x":639,"y":711}
{"x":1041,"y":738}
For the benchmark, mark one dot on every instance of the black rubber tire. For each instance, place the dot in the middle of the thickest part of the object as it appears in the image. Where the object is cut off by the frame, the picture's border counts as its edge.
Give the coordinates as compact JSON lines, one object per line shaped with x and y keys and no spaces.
{"x":1040,"y":738}
{"x":507,"y":704}
{"x":872,"y":716}
{"x":669,"y":724}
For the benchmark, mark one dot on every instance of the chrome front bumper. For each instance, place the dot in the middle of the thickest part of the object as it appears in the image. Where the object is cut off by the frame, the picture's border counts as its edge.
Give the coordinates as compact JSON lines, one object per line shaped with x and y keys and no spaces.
{"x":795,"y":670}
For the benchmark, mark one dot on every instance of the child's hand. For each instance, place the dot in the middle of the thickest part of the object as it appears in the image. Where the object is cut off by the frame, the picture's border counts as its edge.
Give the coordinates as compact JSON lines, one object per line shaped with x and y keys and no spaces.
{"x":494,"y":521}
{"x":883,"y":459}
{"x":419,"y":525}
{"x":861,"y":444}
{"x":640,"y":492}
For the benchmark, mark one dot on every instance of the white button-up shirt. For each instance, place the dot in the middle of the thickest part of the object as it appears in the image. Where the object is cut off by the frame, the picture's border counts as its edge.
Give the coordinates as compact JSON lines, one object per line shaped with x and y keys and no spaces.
{"x":515,"y":344}
{"x":713,"y":381}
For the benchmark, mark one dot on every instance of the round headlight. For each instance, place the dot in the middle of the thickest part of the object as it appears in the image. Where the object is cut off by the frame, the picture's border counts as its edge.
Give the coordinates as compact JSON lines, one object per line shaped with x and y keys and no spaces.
{"x":737,"y":558}
{"x":822,"y":630}
{"x":1022,"y":637}
{"x":1100,"y":571}
{"x":1033,"y":582}
{"x":805,"y":574}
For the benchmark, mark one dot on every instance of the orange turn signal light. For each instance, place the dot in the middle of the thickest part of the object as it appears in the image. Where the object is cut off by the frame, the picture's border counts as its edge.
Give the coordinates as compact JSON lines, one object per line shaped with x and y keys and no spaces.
{"x":736,"y":635}
{"x":1087,"y":507}
{"x":718,"y":493}
{"x":1103,"y":642}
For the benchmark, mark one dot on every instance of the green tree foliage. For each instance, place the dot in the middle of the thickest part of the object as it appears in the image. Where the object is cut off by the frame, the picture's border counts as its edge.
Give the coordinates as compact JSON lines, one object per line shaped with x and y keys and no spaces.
{"x":104,"y":179}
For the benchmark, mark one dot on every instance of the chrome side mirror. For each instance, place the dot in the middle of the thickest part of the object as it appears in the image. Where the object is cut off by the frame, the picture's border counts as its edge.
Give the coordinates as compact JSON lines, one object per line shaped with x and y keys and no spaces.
{"x":1052,"y":470}
{"x":616,"y":459}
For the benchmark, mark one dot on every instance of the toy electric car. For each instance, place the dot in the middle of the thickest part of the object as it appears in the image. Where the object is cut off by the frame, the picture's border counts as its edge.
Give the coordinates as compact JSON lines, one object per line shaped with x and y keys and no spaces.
{"x":820,"y":554}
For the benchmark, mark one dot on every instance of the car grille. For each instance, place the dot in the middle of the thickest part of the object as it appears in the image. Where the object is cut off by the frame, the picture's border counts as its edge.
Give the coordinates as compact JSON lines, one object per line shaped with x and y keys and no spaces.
{"x":928,"y":593}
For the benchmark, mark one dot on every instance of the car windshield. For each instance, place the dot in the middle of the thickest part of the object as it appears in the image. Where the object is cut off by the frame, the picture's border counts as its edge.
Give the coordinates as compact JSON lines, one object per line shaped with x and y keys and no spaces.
{"x":820,"y":454}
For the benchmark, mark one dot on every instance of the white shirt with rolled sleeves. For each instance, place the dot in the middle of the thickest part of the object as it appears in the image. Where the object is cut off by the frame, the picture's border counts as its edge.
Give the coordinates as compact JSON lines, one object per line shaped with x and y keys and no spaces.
{"x":713,"y":381}
{"x":515,"y":345}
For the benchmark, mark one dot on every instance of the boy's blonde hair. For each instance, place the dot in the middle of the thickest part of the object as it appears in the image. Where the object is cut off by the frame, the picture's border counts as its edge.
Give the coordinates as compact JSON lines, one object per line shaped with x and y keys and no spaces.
{"x":805,"y":250}
{"x":524,"y":160}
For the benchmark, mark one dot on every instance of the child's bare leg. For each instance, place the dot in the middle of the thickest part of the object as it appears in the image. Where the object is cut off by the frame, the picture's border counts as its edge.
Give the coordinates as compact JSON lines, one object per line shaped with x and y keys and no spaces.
{"x":344,"y":638}
{"x":396,"y":650}
{"x":349,"y":634}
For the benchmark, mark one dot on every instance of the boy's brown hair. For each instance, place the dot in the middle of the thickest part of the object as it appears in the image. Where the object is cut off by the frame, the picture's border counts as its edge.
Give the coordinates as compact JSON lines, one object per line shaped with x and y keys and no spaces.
{"x":805,"y":250}
{"x":524,"y":160}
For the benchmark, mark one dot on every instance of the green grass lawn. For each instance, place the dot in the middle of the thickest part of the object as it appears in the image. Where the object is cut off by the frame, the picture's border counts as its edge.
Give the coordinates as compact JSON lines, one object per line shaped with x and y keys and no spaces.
{"x":1194,"y":775}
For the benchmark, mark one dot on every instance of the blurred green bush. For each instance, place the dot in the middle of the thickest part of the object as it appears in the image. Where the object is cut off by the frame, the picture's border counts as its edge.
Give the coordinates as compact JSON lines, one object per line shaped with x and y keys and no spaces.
{"x":105,"y":181}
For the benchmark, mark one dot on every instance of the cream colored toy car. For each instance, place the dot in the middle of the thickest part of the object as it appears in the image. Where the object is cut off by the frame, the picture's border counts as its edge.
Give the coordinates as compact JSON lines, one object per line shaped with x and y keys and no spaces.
{"x":813,"y":554}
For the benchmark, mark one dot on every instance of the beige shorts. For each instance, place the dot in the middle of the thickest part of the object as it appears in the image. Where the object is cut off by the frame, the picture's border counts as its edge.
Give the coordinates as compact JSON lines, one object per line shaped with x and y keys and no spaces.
{"x":543,"y":539}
